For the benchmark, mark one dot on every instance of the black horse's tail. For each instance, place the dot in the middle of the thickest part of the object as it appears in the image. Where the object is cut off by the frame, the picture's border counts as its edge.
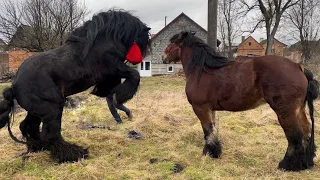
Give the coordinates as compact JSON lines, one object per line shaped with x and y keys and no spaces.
{"x":312,"y":94}
{"x":6,"y":107}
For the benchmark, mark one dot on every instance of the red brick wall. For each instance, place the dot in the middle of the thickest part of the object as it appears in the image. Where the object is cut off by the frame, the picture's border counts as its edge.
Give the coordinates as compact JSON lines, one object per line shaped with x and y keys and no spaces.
{"x":16,"y":57}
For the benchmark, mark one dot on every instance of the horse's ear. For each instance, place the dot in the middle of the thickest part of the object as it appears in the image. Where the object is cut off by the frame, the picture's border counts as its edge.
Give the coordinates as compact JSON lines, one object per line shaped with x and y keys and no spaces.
{"x":183,"y":35}
{"x":147,"y":29}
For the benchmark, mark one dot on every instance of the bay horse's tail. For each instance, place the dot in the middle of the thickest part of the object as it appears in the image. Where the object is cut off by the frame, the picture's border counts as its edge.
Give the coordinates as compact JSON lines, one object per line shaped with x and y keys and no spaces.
{"x":6,"y":107}
{"x":312,"y":94}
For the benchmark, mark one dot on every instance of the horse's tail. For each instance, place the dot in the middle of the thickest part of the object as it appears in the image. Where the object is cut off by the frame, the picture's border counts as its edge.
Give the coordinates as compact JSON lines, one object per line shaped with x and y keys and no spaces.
{"x":312,"y":94}
{"x":6,"y":107}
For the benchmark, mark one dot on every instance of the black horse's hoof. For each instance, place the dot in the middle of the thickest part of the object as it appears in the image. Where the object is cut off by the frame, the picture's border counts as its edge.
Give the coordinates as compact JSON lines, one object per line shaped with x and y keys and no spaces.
{"x":213,"y":149}
{"x":35,"y":146}
{"x":65,"y":152}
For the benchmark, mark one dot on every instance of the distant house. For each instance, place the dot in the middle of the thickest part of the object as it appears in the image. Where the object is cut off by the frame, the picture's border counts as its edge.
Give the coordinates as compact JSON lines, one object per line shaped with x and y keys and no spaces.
{"x":251,"y":47}
{"x":314,"y":45}
{"x":295,"y":51}
{"x":153,"y":63}
{"x":21,"y":46}
{"x":23,"y":39}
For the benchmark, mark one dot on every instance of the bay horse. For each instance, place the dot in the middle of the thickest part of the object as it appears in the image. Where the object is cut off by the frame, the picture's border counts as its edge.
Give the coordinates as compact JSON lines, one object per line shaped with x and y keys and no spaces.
{"x":215,"y":83}
{"x":94,"y":54}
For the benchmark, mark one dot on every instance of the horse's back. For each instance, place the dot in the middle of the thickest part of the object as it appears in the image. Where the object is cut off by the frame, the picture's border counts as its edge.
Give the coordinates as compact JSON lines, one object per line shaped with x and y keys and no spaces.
{"x":280,"y":78}
{"x":279,"y":69}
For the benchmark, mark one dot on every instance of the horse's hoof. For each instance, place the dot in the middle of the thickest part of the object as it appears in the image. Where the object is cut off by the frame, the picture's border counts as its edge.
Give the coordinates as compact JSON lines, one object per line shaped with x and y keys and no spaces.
{"x":291,"y":164}
{"x":213,"y":149}
{"x":35,"y":145}
{"x":66,"y":152}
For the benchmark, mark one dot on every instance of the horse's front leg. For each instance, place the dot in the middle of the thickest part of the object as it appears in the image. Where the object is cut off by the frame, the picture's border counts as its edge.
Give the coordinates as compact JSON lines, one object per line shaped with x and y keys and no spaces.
{"x":212,"y":143}
{"x":51,"y":136}
{"x":126,"y":90}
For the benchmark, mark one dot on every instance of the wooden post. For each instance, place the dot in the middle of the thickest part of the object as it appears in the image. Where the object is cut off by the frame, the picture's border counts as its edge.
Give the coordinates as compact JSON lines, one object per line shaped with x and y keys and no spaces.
{"x":212,"y":32}
{"x":212,"y":23}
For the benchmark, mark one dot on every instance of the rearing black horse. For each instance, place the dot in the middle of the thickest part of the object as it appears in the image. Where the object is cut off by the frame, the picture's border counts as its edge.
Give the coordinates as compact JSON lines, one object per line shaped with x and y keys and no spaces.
{"x":92,"y":55}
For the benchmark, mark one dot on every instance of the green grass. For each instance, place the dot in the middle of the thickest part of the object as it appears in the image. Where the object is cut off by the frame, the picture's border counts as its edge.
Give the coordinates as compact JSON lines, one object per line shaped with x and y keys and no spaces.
{"x":253,"y":141}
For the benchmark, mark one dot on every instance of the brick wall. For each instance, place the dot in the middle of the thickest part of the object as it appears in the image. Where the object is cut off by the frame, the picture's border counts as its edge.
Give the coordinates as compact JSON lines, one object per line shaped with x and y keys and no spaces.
{"x":160,"y":42}
{"x":16,"y":57}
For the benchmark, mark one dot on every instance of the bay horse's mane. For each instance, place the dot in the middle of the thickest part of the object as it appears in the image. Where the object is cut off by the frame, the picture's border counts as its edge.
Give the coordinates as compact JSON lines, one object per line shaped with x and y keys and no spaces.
{"x":202,"y":54}
{"x":117,"y":26}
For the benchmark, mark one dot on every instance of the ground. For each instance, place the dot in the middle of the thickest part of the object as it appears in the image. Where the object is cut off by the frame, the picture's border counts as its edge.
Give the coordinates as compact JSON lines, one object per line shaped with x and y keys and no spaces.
{"x":253,"y":141}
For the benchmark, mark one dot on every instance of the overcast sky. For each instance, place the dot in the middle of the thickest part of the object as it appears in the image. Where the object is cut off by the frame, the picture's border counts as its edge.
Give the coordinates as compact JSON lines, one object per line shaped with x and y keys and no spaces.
{"x":153,"y":12}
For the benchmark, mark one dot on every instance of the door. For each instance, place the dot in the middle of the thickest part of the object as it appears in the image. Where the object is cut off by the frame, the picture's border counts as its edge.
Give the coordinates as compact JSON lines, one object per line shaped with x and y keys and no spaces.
{"x":145,"y":69}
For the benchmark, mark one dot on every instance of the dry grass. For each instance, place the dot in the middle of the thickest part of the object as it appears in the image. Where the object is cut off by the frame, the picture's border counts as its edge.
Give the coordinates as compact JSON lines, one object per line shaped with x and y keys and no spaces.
{"x":253,"y":142}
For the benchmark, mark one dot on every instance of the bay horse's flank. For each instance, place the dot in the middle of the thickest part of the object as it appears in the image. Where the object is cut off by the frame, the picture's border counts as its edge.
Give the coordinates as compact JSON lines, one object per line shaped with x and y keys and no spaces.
{"x":215,"y":83}
{"x":93,"y":55}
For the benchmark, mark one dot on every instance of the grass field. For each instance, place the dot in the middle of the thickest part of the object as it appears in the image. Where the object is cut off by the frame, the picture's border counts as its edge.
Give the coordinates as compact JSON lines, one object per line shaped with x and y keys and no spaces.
{"x":253,"y":141}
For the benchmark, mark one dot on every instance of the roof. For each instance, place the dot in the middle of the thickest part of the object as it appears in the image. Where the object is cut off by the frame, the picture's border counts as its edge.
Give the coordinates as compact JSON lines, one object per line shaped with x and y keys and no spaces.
{"x":176,"y":19}
{"x":2,"y":42}
{"x":265,"y":41}
{"x":312,"y":44}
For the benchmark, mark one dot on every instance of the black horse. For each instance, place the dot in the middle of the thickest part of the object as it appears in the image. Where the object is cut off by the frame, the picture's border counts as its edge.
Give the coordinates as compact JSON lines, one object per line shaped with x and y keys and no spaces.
{"x":93,"y":55}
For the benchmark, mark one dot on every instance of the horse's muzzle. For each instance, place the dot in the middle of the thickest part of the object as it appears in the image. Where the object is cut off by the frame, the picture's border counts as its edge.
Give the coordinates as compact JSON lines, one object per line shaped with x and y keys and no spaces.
{"x":164,"y":58}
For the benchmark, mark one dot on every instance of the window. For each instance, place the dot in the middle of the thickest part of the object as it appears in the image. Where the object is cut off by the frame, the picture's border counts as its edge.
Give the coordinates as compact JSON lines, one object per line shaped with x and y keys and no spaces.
{"x":142,"y":66}
{"x":249,"y":43}
{"x":147,"y":65}
{"x":170,"y":68}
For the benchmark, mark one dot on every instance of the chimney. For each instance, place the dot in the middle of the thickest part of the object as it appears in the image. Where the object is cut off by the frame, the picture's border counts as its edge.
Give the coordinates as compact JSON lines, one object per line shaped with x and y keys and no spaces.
{"x":243,"y":38}
{"x":261,"y":39}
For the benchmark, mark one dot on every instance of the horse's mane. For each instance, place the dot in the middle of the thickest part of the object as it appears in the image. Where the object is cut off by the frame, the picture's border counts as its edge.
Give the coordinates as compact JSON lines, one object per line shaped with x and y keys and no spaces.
{"x":119,"y":27}
{"x":202,"y":54}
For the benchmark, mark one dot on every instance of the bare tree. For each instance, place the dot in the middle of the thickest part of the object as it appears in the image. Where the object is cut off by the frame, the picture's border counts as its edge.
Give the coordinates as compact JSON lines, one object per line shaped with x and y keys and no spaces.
{"x":272,"y":11}
{"x":42,"y":24}
{"x":67,"y":15}
{"x":10,"y":18}
{"x":229,"y":27}
{"x":36,"y":14}
{"x":305,"y":17}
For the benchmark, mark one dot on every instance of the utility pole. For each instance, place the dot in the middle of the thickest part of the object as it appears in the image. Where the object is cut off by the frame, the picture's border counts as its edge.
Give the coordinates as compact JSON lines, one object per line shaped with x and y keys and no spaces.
{"x":212,"y":23}
{"x":212,"y":33}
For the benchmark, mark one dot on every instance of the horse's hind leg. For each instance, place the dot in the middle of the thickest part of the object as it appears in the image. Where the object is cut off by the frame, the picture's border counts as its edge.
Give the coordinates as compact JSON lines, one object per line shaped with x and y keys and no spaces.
{"x":310,"y":149}
{"x":30,"y":129}
{"x":51,"y":136}
{"x":292,"y":123}
{"x":212,"y":144}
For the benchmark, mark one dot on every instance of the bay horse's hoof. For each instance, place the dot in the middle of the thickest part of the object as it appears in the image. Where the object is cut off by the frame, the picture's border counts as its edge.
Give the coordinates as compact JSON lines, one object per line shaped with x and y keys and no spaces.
{"x":294,"y":163}
{"x":65,"y":152}
{"x":286,"y":165}
{"x":213,"y":149}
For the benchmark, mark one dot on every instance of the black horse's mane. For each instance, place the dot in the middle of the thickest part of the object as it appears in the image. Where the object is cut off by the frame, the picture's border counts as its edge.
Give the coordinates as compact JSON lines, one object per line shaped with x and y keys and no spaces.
{"x":117,"y":26}
{"x":202,"y":54}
